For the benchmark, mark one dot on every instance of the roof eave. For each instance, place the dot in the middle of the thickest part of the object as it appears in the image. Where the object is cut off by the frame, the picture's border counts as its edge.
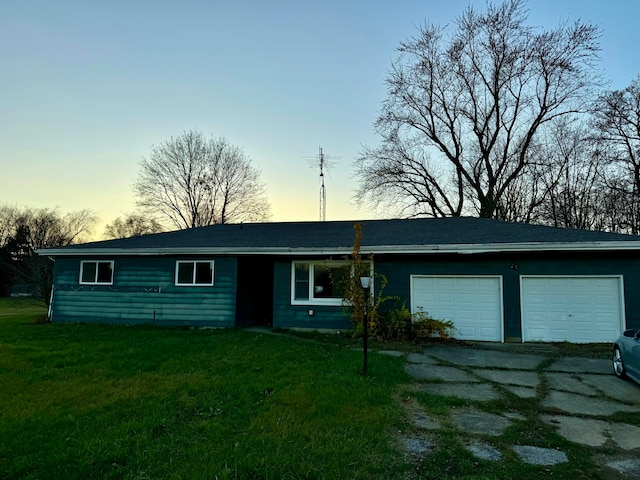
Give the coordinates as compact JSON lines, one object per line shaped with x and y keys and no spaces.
{"x":381,"y":249}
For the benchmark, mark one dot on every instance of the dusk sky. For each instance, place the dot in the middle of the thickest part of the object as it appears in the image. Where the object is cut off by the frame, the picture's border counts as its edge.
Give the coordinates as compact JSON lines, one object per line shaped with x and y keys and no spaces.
{"x":87,"y":87}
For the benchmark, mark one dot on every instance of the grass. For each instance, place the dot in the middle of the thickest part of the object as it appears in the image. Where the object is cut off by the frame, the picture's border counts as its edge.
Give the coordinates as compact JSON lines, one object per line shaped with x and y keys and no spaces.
{"x":116,"y":402}
{"x":96,"y":401}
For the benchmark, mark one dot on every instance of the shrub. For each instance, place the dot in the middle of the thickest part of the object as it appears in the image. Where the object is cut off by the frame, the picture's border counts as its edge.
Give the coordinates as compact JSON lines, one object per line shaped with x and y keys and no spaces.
{"x":426,"y":327}
{"x":400,"y":324}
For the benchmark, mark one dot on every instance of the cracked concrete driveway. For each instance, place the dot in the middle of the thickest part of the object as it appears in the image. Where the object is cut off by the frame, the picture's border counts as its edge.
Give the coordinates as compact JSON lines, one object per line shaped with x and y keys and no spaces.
{"x":576,"y":396}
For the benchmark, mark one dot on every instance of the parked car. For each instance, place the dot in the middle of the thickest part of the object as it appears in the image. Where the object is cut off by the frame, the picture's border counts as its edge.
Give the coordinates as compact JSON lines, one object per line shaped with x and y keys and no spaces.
{"x":626,"y":355}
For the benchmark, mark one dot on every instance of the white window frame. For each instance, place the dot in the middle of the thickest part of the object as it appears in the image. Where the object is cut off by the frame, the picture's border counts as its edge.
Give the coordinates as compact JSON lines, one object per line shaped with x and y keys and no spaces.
{"x":95,"y":278}
{"x":193,"y":279}
{"x":337,"y":302}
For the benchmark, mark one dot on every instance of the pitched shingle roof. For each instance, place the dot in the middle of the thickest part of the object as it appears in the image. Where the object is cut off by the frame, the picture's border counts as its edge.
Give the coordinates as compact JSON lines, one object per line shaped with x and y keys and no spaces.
{"x":446,"y":234}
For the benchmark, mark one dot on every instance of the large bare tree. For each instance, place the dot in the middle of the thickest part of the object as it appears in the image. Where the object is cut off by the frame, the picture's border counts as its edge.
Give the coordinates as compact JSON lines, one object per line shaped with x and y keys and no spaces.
{"x":465,"y":108}
{"x":191,"y":181}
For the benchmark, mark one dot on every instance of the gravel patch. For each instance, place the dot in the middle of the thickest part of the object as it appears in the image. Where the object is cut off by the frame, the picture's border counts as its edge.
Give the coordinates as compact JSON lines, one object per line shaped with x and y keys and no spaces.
{"x":540,"y":456}
{"x":485,"y":452}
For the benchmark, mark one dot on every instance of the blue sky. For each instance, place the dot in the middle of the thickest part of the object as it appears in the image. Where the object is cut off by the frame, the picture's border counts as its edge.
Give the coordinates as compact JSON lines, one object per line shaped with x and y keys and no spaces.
{"x":86,"y":88}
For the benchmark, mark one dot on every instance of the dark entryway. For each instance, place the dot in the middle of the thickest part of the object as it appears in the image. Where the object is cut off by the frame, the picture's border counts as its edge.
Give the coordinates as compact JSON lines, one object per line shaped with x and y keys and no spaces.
{"x":255,"y":291}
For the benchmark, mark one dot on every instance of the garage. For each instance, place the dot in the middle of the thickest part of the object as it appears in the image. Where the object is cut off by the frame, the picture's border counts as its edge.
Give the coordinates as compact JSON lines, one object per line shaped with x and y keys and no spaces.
{"x":473,"y":303}
{"x":578,"y":309}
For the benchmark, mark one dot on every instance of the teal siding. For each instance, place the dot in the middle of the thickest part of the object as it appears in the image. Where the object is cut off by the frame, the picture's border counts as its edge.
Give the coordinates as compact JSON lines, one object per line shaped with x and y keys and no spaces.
{"x":398,"y":271}
{"x":143,"y":291}
{"x":286,"y":315}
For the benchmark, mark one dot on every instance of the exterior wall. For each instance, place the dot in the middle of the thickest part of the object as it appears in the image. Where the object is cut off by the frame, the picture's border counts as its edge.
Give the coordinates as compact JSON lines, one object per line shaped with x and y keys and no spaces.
{"x":144,"y":291}
{"x":286,"y":315}
{"x":398,"y":269}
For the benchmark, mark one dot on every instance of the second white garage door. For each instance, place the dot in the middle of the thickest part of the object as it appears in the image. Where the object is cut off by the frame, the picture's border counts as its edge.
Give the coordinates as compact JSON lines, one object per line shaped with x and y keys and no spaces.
{"x":474,"y":304}
{"x":573,"y":309}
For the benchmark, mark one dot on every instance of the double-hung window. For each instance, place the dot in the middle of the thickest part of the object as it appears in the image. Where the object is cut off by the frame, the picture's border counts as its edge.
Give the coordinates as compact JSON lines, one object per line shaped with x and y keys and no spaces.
{"x":318,"y":283}
{"x":98,"y":272}
{"x":194,"y":273}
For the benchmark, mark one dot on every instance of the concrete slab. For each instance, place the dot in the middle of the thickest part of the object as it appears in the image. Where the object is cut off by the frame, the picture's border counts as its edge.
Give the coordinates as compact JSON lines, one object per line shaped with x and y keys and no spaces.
{"x":510,"y":377}
{"x":480,"y":392}
{"x":540,"y":456}
{"x":484,"y":358}
{"x":580,"y":365}
{"x":475,"y":421}
{"x":579,"y":430}
{"x":568,"y":383}
{"x":514,"y":416}
{"x":626,"y":436}
{"x":419,"y":358}
{"x":629,"y":467}
{"x":484,"y":451}
{"x":614,"y":387}
{"x":437,"y":372}
{"x":522,"y":392}
{"x":581,"y":405}
{"x":391,"y":353}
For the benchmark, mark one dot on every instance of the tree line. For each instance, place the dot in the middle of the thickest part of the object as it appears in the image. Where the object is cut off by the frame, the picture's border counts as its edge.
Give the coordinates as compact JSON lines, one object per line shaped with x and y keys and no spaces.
{"x":494,"y":118}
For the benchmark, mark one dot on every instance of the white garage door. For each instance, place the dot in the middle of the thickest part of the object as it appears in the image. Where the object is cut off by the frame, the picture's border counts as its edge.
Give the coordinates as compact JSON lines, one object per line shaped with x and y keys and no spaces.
{"x":573,"y":309}
{"x":474,"y":304}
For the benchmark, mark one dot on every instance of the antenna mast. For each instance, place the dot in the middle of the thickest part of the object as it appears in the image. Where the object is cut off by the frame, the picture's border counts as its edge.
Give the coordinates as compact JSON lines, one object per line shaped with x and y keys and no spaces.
{"x":323,"y":192}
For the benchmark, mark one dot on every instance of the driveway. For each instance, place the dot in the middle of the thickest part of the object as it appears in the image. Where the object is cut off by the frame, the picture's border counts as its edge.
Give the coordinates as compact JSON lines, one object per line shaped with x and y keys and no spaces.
{"x":577,"y":396}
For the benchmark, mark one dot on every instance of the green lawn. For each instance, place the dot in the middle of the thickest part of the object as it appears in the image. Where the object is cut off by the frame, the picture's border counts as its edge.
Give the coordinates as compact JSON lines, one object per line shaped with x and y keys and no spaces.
{"x":96,"y":401}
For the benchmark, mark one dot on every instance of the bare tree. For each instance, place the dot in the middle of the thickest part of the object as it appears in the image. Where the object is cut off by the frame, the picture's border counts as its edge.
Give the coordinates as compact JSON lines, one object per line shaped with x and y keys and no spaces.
{"x":464,"y":109}
{"x":617,"y":120}
{"x":132,"y":225}
{"x":190,"y":181}
{"x":574,"y":184}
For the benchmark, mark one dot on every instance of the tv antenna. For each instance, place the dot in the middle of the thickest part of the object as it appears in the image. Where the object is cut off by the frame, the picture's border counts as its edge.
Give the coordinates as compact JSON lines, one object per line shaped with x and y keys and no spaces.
{"x":323,"y":191}
{"x":324,"y":165}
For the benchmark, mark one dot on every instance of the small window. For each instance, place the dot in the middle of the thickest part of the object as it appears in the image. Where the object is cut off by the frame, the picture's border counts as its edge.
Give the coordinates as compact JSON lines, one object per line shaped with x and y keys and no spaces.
{"x":96,"y":273}
{"x":301,"y":288}
{"x":194,"y":273}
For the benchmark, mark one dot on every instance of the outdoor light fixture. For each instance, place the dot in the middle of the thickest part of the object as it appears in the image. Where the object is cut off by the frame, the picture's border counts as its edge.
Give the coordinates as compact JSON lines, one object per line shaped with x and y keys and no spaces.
{"x":366,"y":284}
